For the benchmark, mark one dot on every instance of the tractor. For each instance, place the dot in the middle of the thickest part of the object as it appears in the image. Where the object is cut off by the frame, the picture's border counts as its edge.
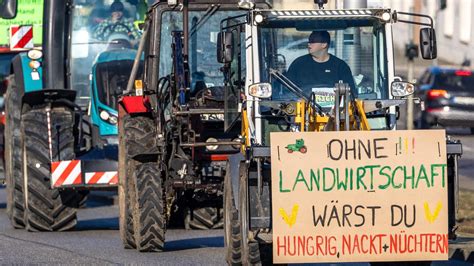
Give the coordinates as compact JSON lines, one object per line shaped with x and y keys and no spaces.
{"x":274,"y":113}
{"x":61,"y":122}
{"x":172,"y":143}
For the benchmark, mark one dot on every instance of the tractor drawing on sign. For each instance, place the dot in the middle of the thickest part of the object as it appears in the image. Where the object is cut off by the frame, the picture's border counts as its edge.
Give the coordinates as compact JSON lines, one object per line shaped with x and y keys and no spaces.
{"x":298,"y":146}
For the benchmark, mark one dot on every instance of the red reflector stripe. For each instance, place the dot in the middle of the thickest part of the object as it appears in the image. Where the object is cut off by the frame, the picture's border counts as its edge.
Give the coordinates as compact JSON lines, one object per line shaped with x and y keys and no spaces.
{"x":65,"y":173}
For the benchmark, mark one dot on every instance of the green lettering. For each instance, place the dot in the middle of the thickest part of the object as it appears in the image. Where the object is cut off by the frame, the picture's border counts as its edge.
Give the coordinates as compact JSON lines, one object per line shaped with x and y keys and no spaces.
{"x":422,"y":175}
{"x":433,"y":174}
{"x":281,"y":184}
{"x":409,"y":177}
{"x":314,"y":178}
{"x":325,"y":188}
{"x":342,"y":184}
{"x":300,"y":178}
{"x":393,"y":177}
{"x":360,"y":174}
{"x":371,"y":168}
{"x":382,"y":173}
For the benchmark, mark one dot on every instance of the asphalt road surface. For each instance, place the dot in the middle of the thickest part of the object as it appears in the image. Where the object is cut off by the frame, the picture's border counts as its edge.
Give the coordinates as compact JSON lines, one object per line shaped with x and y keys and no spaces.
{"x":96,"y":239}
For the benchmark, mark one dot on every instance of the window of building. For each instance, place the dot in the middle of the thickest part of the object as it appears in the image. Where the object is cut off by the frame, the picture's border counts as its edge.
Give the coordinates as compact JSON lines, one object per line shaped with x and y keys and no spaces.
{"x":465,"y":20}
{"x":448,"y":18}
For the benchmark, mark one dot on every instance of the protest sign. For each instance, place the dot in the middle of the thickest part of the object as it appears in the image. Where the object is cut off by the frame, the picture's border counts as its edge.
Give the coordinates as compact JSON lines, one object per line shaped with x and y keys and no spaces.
{"x":359,"y":196}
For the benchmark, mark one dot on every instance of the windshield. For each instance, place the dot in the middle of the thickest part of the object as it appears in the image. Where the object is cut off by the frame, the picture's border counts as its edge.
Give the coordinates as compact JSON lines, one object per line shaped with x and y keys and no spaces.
{"x":99,"y":26}
{"x":203,"y":29}
{"x":111,"y":79}
{"x":355,"y":55}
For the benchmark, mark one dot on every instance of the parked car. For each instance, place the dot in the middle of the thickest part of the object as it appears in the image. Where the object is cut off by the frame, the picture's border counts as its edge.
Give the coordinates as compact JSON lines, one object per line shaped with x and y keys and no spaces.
{"x":447,"y":98}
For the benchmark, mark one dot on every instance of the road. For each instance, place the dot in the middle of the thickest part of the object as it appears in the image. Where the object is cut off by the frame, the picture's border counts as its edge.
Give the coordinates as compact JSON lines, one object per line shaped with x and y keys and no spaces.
{"x":97,"y":240}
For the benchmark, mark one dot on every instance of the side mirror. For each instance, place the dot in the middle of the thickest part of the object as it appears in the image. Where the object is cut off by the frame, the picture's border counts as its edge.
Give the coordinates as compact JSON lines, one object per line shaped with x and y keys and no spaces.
{"x":428,"y":43}
{"x":8,"y":9}
{"x":225,"y":49}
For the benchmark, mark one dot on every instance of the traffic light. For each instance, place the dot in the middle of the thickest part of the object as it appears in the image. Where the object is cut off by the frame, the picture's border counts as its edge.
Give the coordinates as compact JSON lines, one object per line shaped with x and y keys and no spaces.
{"x":411,"y":50}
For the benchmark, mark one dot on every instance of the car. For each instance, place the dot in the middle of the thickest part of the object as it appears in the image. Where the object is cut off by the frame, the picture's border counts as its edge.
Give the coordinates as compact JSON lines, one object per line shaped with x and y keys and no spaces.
{"x":447,"y":98}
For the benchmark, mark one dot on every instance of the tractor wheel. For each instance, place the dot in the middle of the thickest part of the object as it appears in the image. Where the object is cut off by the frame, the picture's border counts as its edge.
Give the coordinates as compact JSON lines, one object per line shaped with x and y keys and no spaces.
{"x":136,"y":135}
{"x":303,"y":149}
{"x":150,"y":208}
{"x":47,"y":209}
{"x":13,"y":172}
{"x":232,"y":236}
{"x":253,"y":252}
{"x":204,"y":218}
{"x":126,"y":168}
{"x":290,"y":151}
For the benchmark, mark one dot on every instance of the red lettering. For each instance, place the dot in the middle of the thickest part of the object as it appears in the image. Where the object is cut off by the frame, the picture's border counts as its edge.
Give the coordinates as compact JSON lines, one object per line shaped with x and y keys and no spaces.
{"x":279,"y":246}
{"x":432,"y":243}
{"x":410,"y":238}
{"x":290,"y":246}
{"x":373,"y":250}
{"x":356,"y":244}
{"x":363,"y":239}
{"x":346,"y":243}
{"x":309,"y":247}
{"x":439,"y":247}
{"x":300,"y":245}
{"x":393,"y":244}
{"x":403,"y":248}
{"x":332,"y":249}
{"x":445,"y":243}
{"x":319,"y":242}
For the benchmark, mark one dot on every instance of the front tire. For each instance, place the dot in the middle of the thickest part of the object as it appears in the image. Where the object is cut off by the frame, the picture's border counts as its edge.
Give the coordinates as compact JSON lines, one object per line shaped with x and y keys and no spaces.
{"x":47,"y":209}
{"x":150,"y":223}
{"x":232,"y":236}
{"x":13,"y":165}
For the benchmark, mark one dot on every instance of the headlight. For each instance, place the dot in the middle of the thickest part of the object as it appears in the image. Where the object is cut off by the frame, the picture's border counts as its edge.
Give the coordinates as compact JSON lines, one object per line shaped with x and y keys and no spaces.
{"x":113,"y":120}
{"x":34,"y":64}
{"x":261,"y":90}
{"x":402,"y":89}
{"x":386,"y":16}
{"x":34,"y":54}
{"x":106,"y":116}
{"x":211,"y":147}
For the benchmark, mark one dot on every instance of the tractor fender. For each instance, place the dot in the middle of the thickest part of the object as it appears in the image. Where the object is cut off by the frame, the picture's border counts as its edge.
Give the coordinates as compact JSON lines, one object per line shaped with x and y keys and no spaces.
{"x":55,"y":97}
{"x":135,"y":104}
{"x":235,"y":162}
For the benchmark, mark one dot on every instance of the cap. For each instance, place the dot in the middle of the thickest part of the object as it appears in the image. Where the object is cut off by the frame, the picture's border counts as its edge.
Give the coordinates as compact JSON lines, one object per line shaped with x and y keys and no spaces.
{"x":319,"y":37}
{"x":116,"y":6}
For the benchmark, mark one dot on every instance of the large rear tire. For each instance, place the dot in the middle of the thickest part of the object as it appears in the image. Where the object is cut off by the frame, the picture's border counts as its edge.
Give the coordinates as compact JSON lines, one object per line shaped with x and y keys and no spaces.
{"x":47,"y":209}
{"x":150,"y":221}
{"x":13,"y":171}
{"x":232,"y":236}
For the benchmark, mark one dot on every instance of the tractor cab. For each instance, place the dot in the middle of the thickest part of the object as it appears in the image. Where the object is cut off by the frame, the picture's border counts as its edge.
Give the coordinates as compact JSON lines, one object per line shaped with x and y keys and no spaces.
{"x":110,"y":73}
{"x":277,"y":79}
